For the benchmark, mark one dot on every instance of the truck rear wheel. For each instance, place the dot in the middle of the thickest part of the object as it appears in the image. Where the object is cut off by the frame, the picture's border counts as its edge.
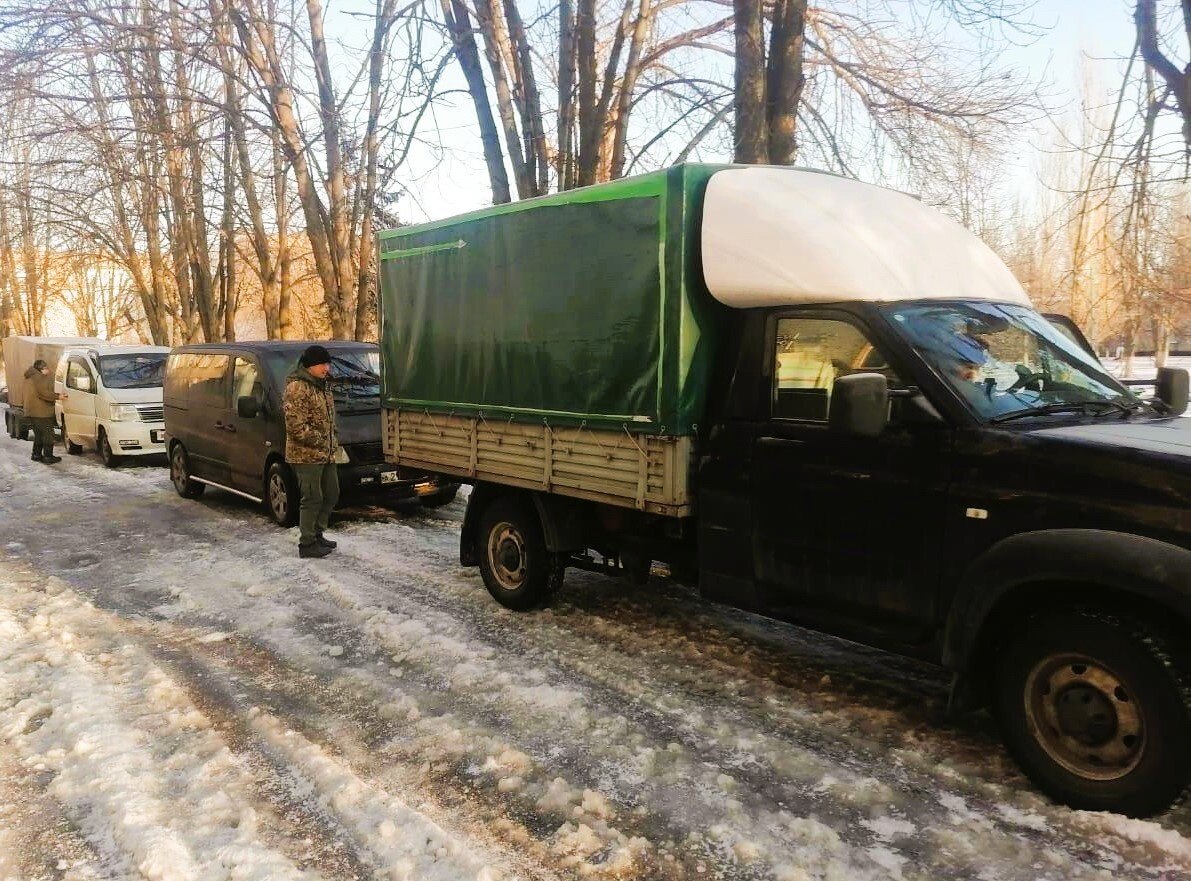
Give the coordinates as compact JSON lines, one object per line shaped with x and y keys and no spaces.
{"x":1097,"y":712}
{"x":517,"y":568}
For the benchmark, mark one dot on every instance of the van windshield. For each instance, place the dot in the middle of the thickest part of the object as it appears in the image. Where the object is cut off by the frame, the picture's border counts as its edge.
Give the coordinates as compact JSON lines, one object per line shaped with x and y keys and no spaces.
{"x":355,"y":379}
{"x":1008,"y":362}
{"x":136,"y":370}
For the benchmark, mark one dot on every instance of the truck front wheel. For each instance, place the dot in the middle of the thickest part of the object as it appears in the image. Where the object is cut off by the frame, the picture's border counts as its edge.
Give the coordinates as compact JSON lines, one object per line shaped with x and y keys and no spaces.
{"x":1097,"y":711}
{"x":517,"y":568}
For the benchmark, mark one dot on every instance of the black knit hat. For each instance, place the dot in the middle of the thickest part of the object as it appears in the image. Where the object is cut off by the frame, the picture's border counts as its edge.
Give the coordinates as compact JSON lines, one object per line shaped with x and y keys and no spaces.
{"x":40,"y":364}
{"x":315,"y":355}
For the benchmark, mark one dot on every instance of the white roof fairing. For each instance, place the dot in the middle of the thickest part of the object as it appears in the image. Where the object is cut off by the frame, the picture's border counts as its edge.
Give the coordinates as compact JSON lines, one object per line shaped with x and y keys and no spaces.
{"x":783,"y":237}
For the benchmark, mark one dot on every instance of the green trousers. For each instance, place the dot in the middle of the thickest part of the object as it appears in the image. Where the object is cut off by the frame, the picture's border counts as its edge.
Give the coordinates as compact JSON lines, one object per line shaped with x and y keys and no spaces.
{"x":43,"y":434}
{"x":320,"y":492}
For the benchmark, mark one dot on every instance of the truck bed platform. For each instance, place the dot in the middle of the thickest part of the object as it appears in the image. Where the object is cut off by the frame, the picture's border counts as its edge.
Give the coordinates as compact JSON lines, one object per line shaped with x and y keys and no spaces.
{"x":646,"y":472}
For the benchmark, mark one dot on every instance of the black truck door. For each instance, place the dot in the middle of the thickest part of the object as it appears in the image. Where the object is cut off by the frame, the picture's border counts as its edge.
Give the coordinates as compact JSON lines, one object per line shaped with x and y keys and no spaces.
{"x":844,"y":526}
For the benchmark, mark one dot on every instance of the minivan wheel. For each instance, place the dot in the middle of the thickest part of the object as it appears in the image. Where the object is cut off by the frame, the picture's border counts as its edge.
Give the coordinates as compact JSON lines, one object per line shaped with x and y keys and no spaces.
{"x":282,"y":496}
{"x":1097,"y":711}
{"x":71,"y":447}
{"x":187,"y":487}
{"x":517,"y":568}
{"x":110,"y":459}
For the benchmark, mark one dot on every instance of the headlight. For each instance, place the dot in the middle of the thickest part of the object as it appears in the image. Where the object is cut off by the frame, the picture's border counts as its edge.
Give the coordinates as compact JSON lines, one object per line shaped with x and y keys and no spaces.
{"x":125,"y":413}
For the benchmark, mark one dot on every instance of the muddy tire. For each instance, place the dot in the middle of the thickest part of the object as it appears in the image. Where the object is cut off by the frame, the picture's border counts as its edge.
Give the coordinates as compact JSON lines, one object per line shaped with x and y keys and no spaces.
{"x":1097,"y":711}
{"x":71,"y":447}
{"x":282,"y":496}
{"x":518,"y":570}
{"x":187,"y":487}
{"x":110,"y":459}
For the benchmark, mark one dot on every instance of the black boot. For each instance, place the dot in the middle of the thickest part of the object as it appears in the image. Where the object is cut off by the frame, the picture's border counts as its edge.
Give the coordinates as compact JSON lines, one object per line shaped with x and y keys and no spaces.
{"x":325,"y":542}
{"x":314,"y":549}
{"x":51,"y":459}
{"x":36,"y":457}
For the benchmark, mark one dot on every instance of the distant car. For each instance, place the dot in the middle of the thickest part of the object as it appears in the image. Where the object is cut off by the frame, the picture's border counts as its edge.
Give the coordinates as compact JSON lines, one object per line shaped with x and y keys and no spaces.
{"x":224,"y":425}
{"x":111,"y":400}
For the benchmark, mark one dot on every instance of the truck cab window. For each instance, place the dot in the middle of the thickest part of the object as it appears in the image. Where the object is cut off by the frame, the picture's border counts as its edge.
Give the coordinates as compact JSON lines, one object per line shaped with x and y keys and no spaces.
{"x":811,"y":354}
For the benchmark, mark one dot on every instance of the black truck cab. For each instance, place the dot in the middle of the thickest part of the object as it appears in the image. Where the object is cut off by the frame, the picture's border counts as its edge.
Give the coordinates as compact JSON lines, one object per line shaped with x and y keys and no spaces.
{"x":962,"y":482}
{"x":225,"y":427}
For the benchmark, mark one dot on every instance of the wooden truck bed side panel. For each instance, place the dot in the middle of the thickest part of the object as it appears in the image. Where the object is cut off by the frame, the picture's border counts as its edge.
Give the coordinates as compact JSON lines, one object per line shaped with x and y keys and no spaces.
{"x":646,"y":472}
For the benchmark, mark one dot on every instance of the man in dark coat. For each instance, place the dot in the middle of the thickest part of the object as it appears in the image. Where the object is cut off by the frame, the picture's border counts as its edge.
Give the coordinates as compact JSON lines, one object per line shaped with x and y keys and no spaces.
{"x":39,"y":410}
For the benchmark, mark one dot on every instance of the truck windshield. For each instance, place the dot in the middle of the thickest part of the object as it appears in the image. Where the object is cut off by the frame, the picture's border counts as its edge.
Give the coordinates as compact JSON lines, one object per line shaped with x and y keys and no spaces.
{"x":1007,"y":361}
{"x":143,"y":370}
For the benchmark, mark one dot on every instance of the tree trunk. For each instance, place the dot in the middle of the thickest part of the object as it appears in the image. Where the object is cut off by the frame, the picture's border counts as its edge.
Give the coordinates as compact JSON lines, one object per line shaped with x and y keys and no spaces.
{"x":1145,"y":17}
{"x":459,"y":25}
{"x":589,"y":122}
{"x":632,"y":70}
{"x":339,"y":235}
{"x":366,"y":283}
{"x":285,"y":315}
{"x":751,"y":138}
{"x":565,"y":162}
{"x":531,"y":102}
{"x":490,"y":20}
{"x":261,"y":53}
{"x":785,"y":80}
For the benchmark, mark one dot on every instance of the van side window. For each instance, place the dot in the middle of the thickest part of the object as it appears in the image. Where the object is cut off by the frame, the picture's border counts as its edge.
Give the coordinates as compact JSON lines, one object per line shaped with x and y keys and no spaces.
{"x":74,"y":371}
{"x":244,"y":379}
{"x":208,"y":380}
{"x":811,"y":354}
{"x":177,"y":379}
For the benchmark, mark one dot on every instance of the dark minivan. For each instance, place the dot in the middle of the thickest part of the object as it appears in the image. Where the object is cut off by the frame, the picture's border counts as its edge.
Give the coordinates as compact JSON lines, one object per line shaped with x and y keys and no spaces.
{"x":224,"y":425}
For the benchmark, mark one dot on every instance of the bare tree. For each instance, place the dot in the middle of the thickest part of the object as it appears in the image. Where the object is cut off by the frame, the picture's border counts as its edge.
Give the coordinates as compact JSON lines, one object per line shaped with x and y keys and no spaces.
{"x":1156,"y":50}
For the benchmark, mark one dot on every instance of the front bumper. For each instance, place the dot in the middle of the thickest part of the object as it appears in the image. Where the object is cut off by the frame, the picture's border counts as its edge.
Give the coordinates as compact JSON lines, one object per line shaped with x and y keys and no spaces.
{"x":136,"y":438}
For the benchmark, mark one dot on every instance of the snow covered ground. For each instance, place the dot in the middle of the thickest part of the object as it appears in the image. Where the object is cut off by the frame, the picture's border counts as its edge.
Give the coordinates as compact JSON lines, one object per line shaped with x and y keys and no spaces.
{"x":181,"y":697}
{"x":1143,"y":368}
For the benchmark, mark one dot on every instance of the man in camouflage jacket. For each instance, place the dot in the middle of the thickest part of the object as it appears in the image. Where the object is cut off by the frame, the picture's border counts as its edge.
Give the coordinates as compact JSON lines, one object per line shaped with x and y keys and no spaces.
{"x":310,"y":444}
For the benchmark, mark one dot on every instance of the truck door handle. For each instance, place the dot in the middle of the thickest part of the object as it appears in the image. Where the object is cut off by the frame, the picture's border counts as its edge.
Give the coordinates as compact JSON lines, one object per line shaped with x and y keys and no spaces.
{"x":230,"y":428}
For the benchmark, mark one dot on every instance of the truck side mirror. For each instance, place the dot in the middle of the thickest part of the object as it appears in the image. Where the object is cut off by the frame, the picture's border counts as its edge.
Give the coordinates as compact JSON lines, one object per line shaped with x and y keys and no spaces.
{"x":248,"y":406}
{"x":1172,"y":389}
{"x":859,"y":405}
{"x":84,"y":383}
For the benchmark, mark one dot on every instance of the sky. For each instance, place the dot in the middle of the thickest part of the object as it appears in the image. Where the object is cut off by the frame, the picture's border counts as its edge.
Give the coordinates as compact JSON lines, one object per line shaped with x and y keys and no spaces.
{"x":1099,"y":30}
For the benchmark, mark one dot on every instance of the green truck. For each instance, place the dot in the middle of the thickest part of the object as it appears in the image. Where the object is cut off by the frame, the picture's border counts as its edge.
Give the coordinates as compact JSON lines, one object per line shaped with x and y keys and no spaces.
{"x":825,"y":402}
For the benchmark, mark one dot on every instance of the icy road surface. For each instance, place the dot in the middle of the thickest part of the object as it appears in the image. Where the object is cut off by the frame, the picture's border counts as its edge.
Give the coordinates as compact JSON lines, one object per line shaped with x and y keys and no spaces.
{"x":181,"y":697}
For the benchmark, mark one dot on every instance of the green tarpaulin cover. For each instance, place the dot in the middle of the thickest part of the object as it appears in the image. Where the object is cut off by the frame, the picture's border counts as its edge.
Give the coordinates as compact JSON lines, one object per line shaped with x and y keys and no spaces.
{"x":586,"y":306}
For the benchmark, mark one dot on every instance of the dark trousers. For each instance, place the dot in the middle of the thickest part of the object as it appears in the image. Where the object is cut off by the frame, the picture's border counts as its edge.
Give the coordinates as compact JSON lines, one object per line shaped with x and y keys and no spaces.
{"x":320,"y":493}
{"x":43,"y":435}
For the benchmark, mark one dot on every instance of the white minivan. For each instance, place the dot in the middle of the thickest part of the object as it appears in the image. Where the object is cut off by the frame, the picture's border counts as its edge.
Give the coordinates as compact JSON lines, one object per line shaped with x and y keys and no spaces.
{"x":111,"y":400}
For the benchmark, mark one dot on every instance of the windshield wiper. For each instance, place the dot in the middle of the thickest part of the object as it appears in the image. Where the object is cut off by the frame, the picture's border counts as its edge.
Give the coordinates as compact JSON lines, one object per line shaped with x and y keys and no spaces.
{"x":1047,"y":410}
{"x":1125,"y":408}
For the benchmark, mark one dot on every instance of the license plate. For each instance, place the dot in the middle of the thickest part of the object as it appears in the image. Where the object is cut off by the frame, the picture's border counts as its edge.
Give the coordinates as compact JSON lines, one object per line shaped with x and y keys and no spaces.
{"x":389,"y":476}
{"x":157,"y":436}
